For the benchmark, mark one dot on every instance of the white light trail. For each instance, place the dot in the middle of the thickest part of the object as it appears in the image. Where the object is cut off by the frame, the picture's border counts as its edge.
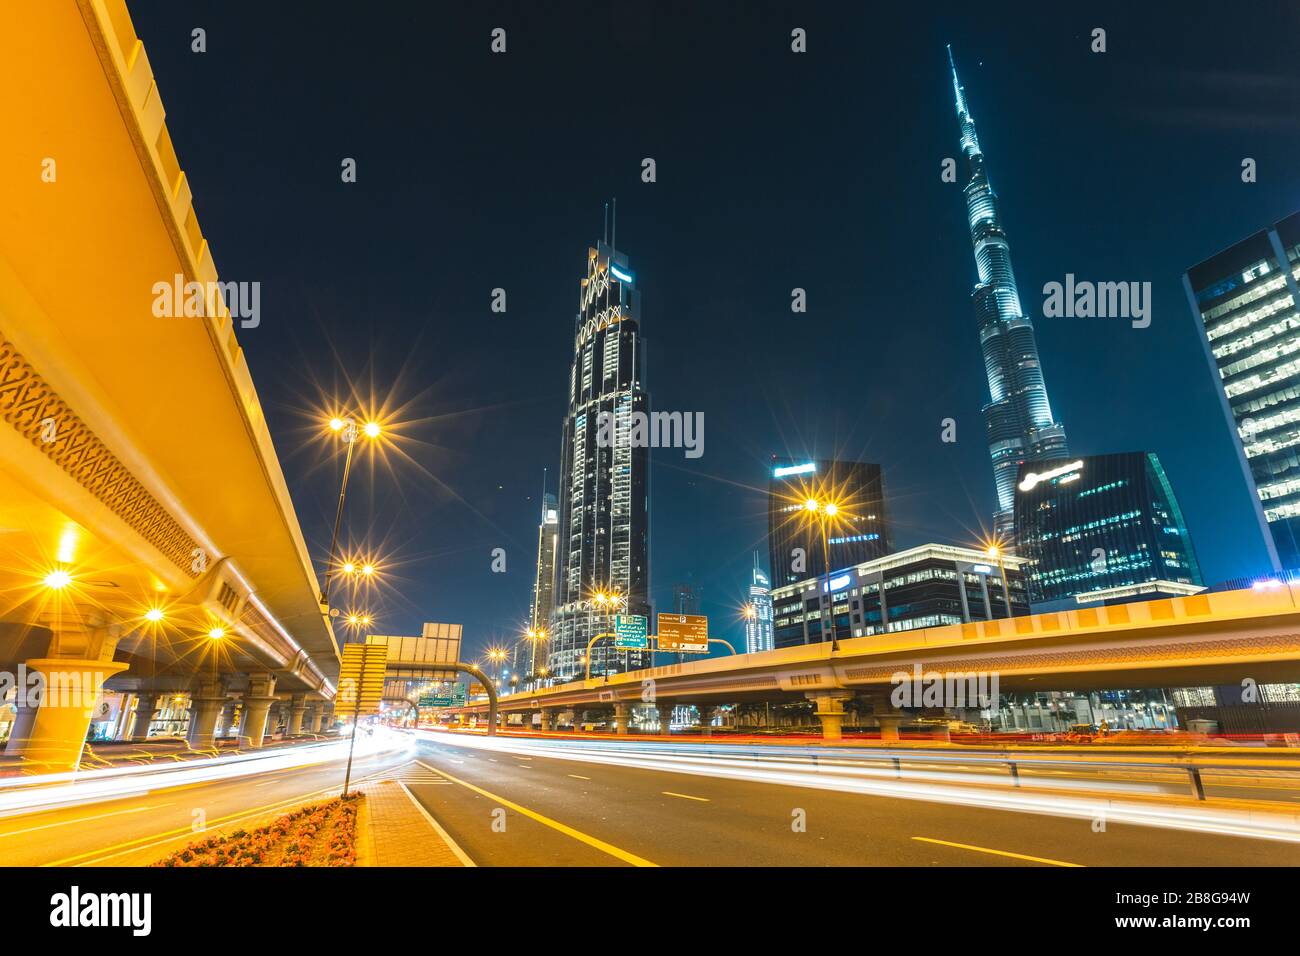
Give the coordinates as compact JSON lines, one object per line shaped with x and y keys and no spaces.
{"x":845,"y":778}
{"x":21,"y":795}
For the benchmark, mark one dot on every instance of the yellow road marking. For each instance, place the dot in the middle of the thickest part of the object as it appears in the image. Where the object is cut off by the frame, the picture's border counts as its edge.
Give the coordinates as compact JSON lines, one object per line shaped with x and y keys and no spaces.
{"x":578,"y":776}
{"x":984,"y":849}
{"x":591,"y":841}
{"x":98,"y":816}
{"x":684,"y":796}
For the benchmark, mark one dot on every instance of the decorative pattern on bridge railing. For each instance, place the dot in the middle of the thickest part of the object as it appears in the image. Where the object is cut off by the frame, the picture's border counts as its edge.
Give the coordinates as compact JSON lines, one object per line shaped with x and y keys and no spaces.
{"x":32,"y":407}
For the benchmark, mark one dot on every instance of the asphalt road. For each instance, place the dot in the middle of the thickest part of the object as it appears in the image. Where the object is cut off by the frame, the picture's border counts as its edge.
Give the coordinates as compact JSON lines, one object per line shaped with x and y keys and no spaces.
{"x":509,"y":810}
{"x":136,"y":830}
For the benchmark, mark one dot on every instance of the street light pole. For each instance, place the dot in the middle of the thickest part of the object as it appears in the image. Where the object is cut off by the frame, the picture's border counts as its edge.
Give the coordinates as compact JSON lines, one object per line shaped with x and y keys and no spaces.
{"x":830,"y":598}
{"x":996,"y":552}
{"x":350,"y":437}
{"x":824,"y":512}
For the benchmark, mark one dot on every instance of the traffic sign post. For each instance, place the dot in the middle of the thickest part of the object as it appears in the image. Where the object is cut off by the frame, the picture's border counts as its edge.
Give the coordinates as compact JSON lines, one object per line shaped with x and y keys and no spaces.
{"x":361,"y":677}
{"x":630,"y":632}
{"x":684,"y":633}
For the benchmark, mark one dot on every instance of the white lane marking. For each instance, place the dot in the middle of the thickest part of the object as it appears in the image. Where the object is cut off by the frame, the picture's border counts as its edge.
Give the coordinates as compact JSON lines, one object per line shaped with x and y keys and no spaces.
{"x":578,"y":776}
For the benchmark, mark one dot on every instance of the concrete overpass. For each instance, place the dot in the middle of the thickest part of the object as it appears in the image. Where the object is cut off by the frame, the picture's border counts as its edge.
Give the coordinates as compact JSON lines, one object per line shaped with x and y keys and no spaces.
{"x":138,"y":479}
{"x":1203,"y":639}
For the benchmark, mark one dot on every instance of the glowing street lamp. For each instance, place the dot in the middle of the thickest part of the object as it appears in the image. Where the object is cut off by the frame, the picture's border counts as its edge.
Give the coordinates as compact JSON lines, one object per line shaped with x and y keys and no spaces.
{"x":535,"y":636}
{"x":498,"y":656}
{"x":153,"y":615}
{"x":357,"y":619}
{"x":58,"y":579}
{"x":217,"y":633}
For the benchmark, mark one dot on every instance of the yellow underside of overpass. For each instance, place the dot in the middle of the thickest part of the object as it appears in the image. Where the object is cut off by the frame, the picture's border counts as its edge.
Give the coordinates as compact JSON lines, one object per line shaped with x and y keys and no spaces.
{"x":159,"y":445}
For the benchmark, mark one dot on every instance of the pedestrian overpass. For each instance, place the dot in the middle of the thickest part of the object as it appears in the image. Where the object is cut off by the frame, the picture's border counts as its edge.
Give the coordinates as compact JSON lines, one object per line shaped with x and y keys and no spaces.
{"x":147,"y":536}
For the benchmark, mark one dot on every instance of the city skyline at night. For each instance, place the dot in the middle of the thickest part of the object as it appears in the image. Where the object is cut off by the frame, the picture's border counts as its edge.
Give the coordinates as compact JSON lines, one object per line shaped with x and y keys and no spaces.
{"x":522,"y":437}
{"x":733,"y":268}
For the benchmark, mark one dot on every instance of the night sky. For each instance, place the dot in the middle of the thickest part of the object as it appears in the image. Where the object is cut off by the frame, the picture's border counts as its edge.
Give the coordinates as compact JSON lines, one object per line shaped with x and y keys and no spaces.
{"x":775,"y":171}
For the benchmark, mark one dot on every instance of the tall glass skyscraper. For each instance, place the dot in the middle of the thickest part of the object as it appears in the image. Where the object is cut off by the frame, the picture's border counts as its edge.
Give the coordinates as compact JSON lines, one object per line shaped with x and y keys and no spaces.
{"x":758,"y":622}
{"x":603,"y":531}
{"x":544,"y":585}
{"x":1018,"y":417}
{"x":1246,"y":301}
{"x":1100,"y":523}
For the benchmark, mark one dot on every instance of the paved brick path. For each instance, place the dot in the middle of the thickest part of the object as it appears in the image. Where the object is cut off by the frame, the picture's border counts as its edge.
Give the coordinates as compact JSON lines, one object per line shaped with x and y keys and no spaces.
{"x":395,"y":831}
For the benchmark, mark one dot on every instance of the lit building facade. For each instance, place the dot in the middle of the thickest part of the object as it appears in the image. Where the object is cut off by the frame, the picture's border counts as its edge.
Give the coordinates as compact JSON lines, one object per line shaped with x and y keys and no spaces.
{"x":1018,"y":418}
{"x":758,"y":623}
{"x":1247,"y":307}
{"x":859,"y":532}
{"x":1101,"y":523}
{"x":539,"y":615}
{"x":602,"y":542}
{"x":928,"y":586}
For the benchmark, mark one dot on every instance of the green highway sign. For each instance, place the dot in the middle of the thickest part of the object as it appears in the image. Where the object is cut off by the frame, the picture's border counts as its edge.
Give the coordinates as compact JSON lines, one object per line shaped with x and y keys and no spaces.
{"x":630,"y":632}
{"x":428,"y":700}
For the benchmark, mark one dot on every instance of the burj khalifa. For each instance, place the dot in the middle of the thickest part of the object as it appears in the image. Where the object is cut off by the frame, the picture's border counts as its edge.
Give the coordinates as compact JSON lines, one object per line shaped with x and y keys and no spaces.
{"x":1018,"y":417}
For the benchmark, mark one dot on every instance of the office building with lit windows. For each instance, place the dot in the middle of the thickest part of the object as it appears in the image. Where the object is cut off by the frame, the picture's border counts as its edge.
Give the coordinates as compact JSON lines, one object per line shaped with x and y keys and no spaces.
{"x":544,"y":585}
{"x":758,"y":618}
{"x":1018,"y":417}
{"x":602,"y":531}
{"x":858,"y":532}
{"x":1246,"y":304}
{"x":928,"y":586}
{"x":1098,"y":528}
{"x":539,"y":614}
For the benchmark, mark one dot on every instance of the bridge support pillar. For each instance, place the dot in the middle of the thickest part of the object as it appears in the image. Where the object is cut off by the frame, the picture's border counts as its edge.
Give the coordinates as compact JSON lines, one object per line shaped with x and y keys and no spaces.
{"x":621,"y":709}
{"x":830,"y":711}
{"x":257,"y":705}
{"x":146,"y":705}
{"x":548,"y":719}
{"x":73,"y":688}
{"x":889,"y":726}
{"x":309,"y":718}
{"x":24,"y":717}
{"x":297,"y":710}
{"x":665,"y":709}
{"x":205,"y":707}
{"x":706,"y":719}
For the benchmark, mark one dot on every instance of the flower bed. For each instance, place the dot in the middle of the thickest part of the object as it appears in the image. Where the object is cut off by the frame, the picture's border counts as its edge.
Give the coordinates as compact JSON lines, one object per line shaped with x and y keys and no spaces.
{"x":318,"y":835}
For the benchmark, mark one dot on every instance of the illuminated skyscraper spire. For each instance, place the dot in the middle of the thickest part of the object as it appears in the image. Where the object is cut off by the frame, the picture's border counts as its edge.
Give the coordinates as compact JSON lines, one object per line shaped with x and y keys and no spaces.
{"x":1018,"y":417}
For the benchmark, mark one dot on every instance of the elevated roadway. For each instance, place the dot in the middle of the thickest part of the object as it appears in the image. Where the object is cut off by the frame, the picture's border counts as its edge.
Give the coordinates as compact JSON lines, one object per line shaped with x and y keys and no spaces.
{"x":1204,"y":639}
{"x":138,"y":478}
